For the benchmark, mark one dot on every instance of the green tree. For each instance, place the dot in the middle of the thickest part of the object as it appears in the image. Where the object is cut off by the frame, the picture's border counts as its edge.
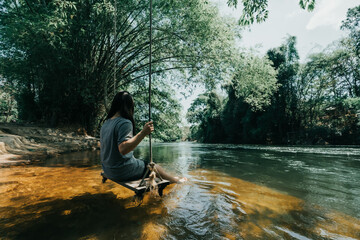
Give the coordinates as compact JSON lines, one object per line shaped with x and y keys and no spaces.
{"x":205,"y":115}
{"x":327,"y":91}
{"x":352,"y":24}
{"x":315,"y":102}
{"x":67,"y":60}
{"x":165,"y":110}
{"x":249,"y":94}
{"x":255,"y":81}
{"x":257,"y":10}
{"x":283,"y":111}
{"x":350,"y":54}
{"x":234,"y":119}
{"x":8,"y":104}
{"x":314,"y":87}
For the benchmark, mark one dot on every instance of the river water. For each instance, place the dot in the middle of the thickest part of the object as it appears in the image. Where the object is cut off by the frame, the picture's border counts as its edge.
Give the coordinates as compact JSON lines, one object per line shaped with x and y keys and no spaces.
{"x":233,"y":192}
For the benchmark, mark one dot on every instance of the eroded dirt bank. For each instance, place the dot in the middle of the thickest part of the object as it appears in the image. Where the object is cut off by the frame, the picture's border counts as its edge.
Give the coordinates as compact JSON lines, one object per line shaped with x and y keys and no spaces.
{"x":23,"y":144}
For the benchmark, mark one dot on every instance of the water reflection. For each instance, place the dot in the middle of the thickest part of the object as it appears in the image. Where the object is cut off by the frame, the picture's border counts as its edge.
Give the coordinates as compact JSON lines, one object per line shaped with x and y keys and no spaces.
{"x":233,"y":194}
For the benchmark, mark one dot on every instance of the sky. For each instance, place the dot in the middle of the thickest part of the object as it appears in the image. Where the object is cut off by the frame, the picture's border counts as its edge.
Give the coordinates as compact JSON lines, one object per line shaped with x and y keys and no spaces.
{"x":314,"y":30}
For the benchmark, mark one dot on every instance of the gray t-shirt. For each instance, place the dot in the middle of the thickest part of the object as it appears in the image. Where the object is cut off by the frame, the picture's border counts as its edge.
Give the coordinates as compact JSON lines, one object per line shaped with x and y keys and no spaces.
{"x":116,"y":166}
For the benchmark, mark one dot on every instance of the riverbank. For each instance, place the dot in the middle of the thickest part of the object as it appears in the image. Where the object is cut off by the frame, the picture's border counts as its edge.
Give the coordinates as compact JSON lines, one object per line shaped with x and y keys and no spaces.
{"x":22,"y":144}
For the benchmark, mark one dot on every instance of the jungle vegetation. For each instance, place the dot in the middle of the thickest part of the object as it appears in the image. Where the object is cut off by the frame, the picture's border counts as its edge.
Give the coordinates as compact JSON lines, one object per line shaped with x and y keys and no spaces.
{"x":317,"y":102}
{"x":62,"y":61}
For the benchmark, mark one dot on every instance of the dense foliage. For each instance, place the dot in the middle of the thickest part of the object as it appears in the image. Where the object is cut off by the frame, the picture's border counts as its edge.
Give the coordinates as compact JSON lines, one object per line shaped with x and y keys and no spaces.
{"x":315,"y":102}
{"x":257,"y":10}
{"x":8,"y":104}
{"x":68,"y":58}
{"x":62,"y":61}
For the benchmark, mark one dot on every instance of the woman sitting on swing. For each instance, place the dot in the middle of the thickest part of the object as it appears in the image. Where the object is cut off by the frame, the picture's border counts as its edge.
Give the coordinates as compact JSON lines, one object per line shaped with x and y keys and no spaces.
{"x":118,"y":140}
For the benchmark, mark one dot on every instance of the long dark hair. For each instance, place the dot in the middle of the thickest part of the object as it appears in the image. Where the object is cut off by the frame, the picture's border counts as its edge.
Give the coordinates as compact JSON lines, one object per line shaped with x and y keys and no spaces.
{"x":123,"y":103}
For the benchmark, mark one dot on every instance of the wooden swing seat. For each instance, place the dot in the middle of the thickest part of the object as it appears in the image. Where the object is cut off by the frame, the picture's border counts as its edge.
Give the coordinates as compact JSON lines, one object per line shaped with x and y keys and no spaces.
{"x":140,"y":190}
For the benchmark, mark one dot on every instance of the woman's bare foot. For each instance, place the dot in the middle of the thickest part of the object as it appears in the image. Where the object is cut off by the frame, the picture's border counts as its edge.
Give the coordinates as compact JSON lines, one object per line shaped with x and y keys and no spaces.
{"x":161,"y":172}
{"x":180,"y":180}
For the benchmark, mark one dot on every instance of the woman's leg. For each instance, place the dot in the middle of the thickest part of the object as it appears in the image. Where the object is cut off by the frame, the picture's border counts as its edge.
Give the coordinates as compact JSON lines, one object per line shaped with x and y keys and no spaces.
{"x":167,"y":176}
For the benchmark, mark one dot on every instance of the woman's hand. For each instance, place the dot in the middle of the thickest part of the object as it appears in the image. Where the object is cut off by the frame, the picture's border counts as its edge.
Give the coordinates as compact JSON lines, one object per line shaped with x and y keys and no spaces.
{"x":148,"y":128}
{"x":129,"y":145}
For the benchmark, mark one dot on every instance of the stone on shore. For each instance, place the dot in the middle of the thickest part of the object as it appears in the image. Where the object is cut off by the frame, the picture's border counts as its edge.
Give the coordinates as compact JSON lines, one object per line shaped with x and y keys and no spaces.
{"x":21,"y":144}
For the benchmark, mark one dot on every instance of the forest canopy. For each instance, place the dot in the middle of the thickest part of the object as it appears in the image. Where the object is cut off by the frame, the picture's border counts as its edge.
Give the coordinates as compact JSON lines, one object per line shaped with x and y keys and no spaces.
{"x":62,"y":61}
{"x":66,"y":59}
{"x":316,"y":102}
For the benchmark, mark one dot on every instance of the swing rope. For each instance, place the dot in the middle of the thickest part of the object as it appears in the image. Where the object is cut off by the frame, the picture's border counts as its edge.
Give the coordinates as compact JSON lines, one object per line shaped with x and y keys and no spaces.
{"x":150,"y":53}
{"x":150,"y":62}
{"x":152,"y":184}
{"x":151,"y":166}
{"x":115,"y":19}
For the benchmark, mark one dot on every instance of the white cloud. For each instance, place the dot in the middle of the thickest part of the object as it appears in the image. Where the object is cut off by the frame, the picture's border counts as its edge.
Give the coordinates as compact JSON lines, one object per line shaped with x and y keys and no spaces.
{"x":330,"y":13}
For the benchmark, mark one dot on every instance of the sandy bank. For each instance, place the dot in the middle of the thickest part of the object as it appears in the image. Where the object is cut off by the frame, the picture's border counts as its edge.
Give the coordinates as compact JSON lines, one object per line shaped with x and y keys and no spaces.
{"x":23,"y":144}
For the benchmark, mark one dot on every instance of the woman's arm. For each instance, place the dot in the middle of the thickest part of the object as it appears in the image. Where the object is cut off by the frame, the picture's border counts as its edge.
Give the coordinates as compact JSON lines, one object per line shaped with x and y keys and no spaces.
{"x":129,"y":145}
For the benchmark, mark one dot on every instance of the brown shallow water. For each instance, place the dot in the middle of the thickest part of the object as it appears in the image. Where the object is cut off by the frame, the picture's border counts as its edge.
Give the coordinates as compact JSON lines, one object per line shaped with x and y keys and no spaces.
{"x":63,"y":198}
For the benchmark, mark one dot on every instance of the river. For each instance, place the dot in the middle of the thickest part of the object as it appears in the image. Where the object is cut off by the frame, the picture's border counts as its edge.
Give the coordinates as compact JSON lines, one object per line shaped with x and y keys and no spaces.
{"x":233,"y":192}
